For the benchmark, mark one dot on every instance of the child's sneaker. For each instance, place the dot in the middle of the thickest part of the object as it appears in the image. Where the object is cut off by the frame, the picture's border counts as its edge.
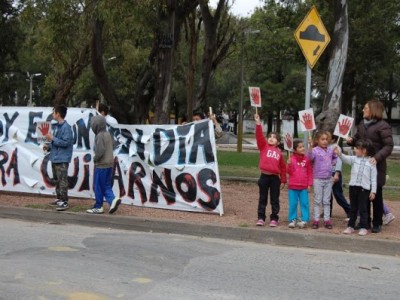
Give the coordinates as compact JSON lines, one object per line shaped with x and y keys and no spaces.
{"x":363,"y":232}
{"x":315,"y":225}
{"x":260,"y":222}
{"x":389,"y":217}
{"x":348,"y":230}
{"x":301,"y":224}
{"x":273,"y":223}
{"x":292,"y":224}
{"x":328,"y":224}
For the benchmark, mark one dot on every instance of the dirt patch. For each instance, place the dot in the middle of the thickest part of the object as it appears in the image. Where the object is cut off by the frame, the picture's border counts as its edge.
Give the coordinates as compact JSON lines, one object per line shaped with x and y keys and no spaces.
{"x":240,"y":206}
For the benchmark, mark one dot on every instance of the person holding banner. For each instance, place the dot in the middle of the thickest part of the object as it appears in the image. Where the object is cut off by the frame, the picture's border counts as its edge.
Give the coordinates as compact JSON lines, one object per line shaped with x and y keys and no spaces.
{"x":373,"y":127}
{"x":197,"y":116}
{"x":104,"y":161}
{"x":104,"y":111}
{"x":273,"y":173}
{"x":60,"y":146}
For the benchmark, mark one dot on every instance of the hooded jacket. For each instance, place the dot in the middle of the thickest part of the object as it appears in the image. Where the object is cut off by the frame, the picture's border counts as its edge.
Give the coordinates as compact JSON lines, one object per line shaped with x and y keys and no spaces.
{"x":300,"y":172}
{"x":271,"y":158}
{"x":103,"y":143}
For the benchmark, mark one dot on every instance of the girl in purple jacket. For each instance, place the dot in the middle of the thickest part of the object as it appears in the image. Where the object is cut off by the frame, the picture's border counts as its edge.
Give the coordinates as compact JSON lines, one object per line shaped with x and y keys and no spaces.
{"x":300,"y":181}
{"x":323,"y":158}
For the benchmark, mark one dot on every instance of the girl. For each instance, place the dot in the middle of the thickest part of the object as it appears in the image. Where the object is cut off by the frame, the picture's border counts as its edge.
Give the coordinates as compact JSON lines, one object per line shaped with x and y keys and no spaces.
{"x":363,"y":184}
{"x":323,"y":158}
{"x":300,"y":181}
{"x":273,"y":173}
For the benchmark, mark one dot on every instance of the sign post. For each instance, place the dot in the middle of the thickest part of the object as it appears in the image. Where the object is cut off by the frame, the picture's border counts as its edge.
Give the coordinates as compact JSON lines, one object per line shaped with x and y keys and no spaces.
{"x":312,"y":37}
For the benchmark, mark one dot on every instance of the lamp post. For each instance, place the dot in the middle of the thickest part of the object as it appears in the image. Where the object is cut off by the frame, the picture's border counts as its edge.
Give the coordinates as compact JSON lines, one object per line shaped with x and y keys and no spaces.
{"x":240,"y":121}
{"x":30,"y":77}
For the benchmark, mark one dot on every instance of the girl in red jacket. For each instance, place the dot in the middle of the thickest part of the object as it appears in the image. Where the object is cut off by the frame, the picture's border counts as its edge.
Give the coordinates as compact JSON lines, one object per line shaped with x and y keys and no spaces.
{"x":273,"y":173}
{"x":300,"y":181}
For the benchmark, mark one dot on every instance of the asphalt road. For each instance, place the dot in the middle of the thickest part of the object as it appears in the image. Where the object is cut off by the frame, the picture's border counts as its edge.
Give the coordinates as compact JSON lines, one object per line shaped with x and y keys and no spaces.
{"x":61,"y":261}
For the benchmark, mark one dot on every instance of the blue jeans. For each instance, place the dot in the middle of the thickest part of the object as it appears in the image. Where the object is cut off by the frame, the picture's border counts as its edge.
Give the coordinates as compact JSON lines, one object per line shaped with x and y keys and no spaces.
{"x":340,"y":199}
{"x":102,"y":186}
{"x":295,"y":197}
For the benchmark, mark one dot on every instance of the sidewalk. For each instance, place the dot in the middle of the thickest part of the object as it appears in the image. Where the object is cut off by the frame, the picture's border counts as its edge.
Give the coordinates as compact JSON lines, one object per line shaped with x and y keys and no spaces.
{"x":271,"y":236}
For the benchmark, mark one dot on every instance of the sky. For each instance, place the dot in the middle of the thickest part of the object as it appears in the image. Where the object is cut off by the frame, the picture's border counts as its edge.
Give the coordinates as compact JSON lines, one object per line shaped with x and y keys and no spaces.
{"x":242,"y":8}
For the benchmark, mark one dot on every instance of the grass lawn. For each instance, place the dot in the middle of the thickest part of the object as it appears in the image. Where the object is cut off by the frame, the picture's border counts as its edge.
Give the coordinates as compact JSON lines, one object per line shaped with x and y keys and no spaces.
{"x":245,"y":164}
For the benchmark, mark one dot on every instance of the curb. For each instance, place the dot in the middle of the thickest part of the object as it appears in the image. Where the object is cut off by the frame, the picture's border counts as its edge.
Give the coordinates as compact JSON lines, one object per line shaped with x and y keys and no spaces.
{"x":257,"y":235}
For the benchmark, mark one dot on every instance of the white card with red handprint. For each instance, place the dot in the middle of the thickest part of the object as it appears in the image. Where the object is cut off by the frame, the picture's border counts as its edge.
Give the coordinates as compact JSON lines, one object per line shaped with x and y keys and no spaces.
{"x":42,"y":128}
{"x":307,"y":122}
{"x":255,"y":96}
{"x":343,"y":126}
{"x":288,"y":141}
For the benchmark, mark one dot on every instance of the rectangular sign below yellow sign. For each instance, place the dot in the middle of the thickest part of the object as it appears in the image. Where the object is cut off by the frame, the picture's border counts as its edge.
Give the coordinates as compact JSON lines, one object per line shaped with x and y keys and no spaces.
{"x":312,"y":36}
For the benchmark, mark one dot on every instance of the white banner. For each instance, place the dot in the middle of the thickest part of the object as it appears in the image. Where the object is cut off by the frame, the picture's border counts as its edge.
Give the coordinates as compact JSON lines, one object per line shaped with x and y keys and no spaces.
{"x":159,"y":166}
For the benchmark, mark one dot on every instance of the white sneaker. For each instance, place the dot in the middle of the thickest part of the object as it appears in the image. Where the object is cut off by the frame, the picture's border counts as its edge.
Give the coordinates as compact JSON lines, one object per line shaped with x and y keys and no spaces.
{"x":348,"y":230}
{"x":389,"y":217}
{"x":292,"y":224}
{"x":363,"y":232}
{"x":95,"y":210}
{"x":301,"y":224}
{"x":114,"y":205}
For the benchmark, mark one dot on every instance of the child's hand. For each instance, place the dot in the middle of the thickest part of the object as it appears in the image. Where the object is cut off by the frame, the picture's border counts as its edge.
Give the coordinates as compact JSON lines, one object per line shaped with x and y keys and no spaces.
{"x":337,"y":150}
{"x":372,"y":196}
{"x":282,"y":185}
{"x":309,"y":189}
{"x":310,"y":142}
{"x":349,"y":140}
{"x":257,"y":119}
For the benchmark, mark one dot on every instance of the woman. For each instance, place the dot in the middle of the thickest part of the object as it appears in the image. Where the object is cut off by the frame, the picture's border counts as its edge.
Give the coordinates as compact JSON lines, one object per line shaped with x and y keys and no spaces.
{"x":380,"y":133}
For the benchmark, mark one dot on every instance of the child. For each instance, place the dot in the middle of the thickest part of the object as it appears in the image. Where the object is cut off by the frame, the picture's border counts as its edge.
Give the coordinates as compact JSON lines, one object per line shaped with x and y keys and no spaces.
{"x":61,"y":147}
{"x":323,"y":158}
{"x":273,"y":173}
{"x":300,"y":181}
{"x":104,"y":161}
{"x":362,"y":186}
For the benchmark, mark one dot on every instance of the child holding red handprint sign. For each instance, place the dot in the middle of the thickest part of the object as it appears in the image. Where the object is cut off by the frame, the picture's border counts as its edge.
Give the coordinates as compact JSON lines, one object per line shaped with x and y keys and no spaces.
{"x":273,"y":173}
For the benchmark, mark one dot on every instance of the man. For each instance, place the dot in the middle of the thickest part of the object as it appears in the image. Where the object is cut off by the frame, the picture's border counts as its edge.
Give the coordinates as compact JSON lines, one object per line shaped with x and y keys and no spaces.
{"x":217,"y":127}
{"x":60,"y":144}
{"x":103,"y":110}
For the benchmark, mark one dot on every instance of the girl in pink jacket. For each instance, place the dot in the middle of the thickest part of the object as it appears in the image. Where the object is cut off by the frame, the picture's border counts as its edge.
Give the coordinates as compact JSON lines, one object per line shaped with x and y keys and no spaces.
{"x":299,"y":169}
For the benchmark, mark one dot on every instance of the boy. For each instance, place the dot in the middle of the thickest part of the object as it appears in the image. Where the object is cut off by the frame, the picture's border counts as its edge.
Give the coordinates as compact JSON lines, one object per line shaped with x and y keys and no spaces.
{"x":103,"y":161}
{"x":60,"y":146}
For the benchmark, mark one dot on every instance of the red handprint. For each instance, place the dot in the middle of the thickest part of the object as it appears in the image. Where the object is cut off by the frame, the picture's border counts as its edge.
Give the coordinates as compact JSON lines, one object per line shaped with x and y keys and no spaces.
{"x":307,"y":121}
{"x":44,"y":128}
{"x":255,"y":96}
{"x":344,"y":128}
{"x":289,"y":141}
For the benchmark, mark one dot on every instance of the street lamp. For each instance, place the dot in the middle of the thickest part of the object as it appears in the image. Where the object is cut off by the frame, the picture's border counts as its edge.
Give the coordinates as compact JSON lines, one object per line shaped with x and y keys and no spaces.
{"x":240,"y":123}
{"x":31,"y":76}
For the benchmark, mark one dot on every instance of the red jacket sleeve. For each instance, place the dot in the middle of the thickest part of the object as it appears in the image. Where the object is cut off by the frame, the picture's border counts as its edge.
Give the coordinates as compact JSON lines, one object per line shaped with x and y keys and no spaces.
{"x":261,"y":142}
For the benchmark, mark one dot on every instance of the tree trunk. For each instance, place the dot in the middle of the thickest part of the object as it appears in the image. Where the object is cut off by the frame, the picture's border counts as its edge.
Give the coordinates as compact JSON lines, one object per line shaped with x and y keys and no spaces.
{"x":66,"y":81}
{"x":216,"y":38}
{"x":100,"y":73}
{"x":327,"y":119}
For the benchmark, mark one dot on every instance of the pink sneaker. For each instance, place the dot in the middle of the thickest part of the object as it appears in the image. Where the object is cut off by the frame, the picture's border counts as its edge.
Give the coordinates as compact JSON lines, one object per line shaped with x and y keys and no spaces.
{"x":273,"y":223}
{"x":260,"y":222}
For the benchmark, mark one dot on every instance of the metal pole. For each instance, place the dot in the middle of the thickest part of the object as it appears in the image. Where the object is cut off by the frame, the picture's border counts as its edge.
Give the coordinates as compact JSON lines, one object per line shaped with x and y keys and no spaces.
{"x":308,"y":97}
{"x":30,"y":90}
{"x":240,"y":123}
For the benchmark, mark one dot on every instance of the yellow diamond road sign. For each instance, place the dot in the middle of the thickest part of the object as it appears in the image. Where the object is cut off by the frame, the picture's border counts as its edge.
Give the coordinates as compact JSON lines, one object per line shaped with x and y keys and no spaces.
{"x":312,"y":36}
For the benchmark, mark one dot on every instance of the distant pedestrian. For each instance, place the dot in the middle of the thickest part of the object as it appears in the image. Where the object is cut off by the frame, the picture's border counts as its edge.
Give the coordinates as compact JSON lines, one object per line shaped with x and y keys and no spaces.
{"x":362,"y":186}
{"x":299,"y":169}
{"x":273,"y":174}
{"x":104,"y":162}
{"x":60,"y":145}
{"x":198,"y":116}
{"x":323,"y":159}
{"x":104,"y":111}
